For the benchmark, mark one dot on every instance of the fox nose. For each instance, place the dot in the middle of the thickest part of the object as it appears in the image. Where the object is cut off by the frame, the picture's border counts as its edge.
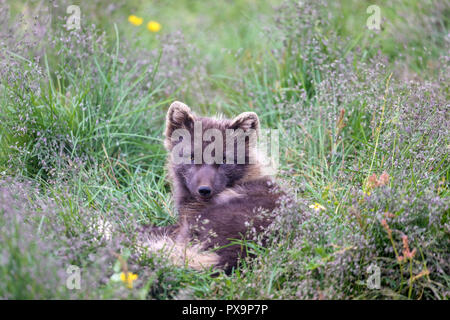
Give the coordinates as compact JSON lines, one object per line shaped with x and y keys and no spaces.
{"x":204,"y":191}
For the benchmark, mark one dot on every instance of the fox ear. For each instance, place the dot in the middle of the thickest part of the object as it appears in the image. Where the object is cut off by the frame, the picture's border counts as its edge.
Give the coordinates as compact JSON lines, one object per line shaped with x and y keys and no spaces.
{"x":245,"y":121}
{"x":179,"y":116}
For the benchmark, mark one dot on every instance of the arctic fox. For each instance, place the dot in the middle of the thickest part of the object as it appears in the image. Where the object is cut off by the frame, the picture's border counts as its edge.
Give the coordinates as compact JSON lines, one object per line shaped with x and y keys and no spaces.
{"x":218,"y":201}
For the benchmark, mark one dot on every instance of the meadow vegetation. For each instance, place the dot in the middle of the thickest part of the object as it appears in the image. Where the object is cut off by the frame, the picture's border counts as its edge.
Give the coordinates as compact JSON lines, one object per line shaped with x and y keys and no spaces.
{"x":363,"y":117}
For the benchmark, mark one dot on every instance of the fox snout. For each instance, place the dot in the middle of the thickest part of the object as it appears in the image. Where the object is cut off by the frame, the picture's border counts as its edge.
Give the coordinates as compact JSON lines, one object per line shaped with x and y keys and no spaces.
{"x":204,"y":180}
{"x":204,"y":191}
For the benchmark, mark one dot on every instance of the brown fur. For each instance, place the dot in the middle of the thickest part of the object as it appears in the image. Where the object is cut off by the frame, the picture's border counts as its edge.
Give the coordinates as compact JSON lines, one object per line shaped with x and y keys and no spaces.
{"x":238,"y":193}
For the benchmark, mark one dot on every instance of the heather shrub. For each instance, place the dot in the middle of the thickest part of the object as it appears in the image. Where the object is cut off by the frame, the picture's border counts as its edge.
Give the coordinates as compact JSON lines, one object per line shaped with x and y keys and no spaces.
{"x":41,"y":240}
{"x":346,"y":119}
{"x":45,"y":235}
{"x":83,"y":98}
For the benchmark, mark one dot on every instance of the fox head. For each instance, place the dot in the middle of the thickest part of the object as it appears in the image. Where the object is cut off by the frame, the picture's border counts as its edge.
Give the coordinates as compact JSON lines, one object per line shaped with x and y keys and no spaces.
{"x":208,"y":155}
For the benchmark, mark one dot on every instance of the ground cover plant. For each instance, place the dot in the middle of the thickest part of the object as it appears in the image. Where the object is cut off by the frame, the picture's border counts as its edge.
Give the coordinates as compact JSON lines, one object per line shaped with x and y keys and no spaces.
{"x":362,"y":113}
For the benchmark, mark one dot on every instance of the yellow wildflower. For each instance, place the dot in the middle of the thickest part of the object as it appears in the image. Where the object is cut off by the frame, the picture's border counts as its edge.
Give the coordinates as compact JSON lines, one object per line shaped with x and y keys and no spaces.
{"x":317,"y":207}
{"x":135,"y":20}
{"x":153,"y":26}
{"x":128,"y":278}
